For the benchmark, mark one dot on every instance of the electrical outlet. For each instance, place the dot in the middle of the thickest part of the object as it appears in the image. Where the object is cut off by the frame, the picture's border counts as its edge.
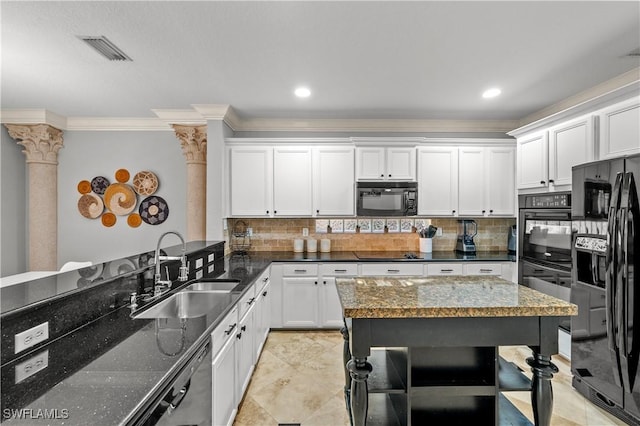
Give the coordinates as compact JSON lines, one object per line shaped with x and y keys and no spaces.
{"x":305,"y":232}
{"x":439,"y":232}
{"x":199,"y":263}
{"x":211,"y":257}
{"x":31,"y":337}
{"x":249,"y":232}
{"x":31,"y":366}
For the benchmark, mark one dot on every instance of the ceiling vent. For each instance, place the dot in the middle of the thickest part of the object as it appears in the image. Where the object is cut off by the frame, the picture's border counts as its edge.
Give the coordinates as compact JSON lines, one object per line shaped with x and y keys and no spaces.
{"x":107,"y":49}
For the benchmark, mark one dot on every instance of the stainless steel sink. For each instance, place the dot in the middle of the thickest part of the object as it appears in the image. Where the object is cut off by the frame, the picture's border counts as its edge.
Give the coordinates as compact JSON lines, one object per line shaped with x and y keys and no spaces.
{"x":188,"y":304}
{"x":216,"y":286}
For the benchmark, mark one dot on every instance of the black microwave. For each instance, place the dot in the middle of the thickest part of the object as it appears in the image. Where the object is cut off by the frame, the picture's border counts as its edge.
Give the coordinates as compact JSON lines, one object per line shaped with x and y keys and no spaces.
{"x":387,"y":198}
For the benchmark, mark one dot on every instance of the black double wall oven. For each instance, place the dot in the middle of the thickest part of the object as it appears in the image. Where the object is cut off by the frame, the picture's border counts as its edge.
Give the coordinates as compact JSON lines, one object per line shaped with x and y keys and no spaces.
{"x":544,"y":244}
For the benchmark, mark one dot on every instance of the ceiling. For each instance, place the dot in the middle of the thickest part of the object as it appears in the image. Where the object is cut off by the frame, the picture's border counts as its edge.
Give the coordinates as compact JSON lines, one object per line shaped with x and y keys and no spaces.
{"x":362,"y":60}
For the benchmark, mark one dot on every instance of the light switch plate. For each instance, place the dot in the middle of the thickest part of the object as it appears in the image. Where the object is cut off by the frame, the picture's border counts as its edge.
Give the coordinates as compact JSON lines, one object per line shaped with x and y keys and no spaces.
{"x":211,"y":257}
{"x":31,"y":366}
{"x":31,"y":337}
{"x":439,"y":232}
{"x":199,"y":263}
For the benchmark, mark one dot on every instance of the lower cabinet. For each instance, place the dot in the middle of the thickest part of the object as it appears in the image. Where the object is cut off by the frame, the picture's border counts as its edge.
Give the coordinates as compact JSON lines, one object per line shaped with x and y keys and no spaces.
{"x":236,"y":345}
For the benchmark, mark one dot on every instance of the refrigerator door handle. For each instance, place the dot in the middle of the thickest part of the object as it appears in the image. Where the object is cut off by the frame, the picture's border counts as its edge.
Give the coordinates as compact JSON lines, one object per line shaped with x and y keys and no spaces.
{"x":611,"y":277}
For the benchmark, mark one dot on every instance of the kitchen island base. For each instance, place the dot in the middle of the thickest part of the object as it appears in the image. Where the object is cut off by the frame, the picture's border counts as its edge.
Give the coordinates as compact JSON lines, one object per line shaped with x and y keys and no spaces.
{"x":445,"y":370}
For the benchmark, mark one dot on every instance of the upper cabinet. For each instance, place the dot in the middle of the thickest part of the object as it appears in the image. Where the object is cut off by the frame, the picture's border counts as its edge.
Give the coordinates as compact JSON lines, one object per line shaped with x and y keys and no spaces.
{"x":251,"y":181}
{"x":291,"y":181}
{"x":466,"y":181}
{"x":437,"y":181}
{"x":378,"y":163}
{"x":620,"y":129}
{"x":333,"y":181}
{"x":545,"y":158}
{"x":292,"y":185}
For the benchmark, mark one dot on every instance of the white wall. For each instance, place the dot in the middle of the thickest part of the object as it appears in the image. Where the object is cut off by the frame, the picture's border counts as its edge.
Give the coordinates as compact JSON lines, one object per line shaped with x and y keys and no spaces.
{"x":13,"y":208}
{"x":87,"y":154}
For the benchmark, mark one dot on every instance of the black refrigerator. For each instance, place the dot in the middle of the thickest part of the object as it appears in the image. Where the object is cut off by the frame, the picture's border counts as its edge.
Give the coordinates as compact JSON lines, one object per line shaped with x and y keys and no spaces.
{"x":605,"y":346}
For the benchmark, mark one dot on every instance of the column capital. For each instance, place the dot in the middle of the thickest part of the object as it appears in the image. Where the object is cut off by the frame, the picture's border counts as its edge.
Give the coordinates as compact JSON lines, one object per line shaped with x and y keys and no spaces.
{"x":41,"y":142}
{"x":193,"y":140}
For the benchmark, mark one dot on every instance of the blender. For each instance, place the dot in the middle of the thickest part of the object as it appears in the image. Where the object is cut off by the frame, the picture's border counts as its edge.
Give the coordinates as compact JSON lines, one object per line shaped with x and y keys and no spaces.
{"x":467,"y":229}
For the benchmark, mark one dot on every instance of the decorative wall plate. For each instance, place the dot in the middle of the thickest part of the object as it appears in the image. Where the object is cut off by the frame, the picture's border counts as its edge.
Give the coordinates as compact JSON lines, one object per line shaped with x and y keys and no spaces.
{"x":377,"y":225}
{"x":350,"y":225}
{"x":134,"y":220}
{"x":120,"y":199}
{"x":84,"y":187}
{"x":121,"y":266}
{"x":154,"y":210}
{"x":336,"y":225}
{"x":145,"y":183}
{"x":109,"y":219}
{"x":122,"y":175}
{"x":90,"y":206}
{"x":406,"y":225}
{"x":393,"y":225}
{"x":99,"y":184}
{"x":321,"y":226}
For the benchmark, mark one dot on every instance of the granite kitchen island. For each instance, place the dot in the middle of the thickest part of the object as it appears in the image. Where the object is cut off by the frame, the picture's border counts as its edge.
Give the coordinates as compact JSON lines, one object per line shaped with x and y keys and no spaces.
{"x":424,"y":350}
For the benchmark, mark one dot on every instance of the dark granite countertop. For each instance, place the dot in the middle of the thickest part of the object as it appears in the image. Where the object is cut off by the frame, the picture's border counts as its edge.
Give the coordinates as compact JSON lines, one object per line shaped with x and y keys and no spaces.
{"x":387,"y":256}
{"x":103,"y":371}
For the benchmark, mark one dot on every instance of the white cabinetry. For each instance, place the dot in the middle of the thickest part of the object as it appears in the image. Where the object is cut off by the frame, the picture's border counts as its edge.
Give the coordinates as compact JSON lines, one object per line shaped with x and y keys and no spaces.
{"x":246,"y":335}
{"x":620,"y":129}
{"x":545,"y":158}
{"x":333,"y":181}
{"x":395,"y":268}
{"x":292,"y":187}
{"x":309,"y":295}
{"x":378,"y":163}
{"x":437,"y":181}
{"x":263,"y":312}
{"x":223,"y":370}
{"x":251,"y":181}
{"x":466,"y":181}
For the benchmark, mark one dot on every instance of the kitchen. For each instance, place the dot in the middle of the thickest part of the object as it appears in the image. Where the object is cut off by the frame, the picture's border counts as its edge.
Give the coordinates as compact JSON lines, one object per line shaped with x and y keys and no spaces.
{"x":97,"y":144}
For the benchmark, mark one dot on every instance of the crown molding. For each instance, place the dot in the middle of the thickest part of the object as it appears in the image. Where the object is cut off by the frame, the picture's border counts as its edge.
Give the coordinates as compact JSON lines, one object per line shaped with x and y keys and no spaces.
{"x":373,"y":125}
{"x":117,"y":124}
{"x":184,"y":117}
{"x":33,"y":116}
{"x":617,"y":89}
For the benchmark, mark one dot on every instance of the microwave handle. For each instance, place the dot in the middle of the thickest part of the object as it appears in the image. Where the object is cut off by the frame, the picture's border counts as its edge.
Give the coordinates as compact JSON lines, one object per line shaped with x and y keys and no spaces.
{"x":594,"y":268}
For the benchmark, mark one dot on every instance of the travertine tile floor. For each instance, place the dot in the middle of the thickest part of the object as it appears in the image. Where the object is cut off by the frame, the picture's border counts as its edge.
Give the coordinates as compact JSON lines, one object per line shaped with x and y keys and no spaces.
{"x":299,"y":379}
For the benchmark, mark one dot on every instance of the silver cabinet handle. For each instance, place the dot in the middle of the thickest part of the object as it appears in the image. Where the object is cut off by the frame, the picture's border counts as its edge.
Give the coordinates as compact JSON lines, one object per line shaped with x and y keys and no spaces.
{"x":393,"y":270}
{"x":299,"y":270}
{"x":446,"y":270}
{"x":339,"y":270}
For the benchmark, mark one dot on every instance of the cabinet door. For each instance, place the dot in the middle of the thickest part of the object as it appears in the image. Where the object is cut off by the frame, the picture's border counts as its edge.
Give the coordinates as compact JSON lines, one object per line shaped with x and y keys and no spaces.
{"x":245,"y":352}
{"x":570,"y":143}
{"x":471,"y":181}
{"x":292,"y":191}
{"x":330,"y":307}
{"x":500,"y":177}
{"x":333,"y":181}
{"x":620,"y":129}
{"x":251,"y":175}
{"x":223,"y":372}
{"x":401,"y":164}
{"x":533,"y":161}
{"x":370,"y":163}
{"x":263,"y":316}
{"x":300,"y":302}
{"x":438,"y":181}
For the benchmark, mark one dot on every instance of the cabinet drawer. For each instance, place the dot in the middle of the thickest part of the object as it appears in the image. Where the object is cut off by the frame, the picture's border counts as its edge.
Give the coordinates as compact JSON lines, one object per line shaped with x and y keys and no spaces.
{"x":224,"y":331}
{"x":246,"y":301}
{"x":392,"y":269}
{"x":444,"y":269}
{"x":262,"y":281}
{"x":300,"y":269}
{"x":482,"y":269}
{"x":338,"y":269}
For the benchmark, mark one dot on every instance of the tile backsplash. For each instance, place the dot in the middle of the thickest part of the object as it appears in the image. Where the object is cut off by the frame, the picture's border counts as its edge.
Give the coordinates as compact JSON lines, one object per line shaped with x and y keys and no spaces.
{"x":278,"y":235}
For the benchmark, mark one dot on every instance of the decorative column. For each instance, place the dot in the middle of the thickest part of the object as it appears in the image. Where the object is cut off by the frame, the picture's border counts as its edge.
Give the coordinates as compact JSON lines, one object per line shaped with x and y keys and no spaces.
{"x":193,"y":140}
{"x":41,"y":144}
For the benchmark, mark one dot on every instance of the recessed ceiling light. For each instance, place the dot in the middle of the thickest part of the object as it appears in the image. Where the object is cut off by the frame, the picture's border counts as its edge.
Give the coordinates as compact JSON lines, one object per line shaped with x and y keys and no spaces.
{"x":302,"y":92}
{"x":491,"y":93}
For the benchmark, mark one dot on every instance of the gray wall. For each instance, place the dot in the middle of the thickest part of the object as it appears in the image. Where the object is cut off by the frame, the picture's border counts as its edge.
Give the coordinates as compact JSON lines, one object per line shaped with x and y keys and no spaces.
{"x":87,"y":154}
{"x":13,"y":206}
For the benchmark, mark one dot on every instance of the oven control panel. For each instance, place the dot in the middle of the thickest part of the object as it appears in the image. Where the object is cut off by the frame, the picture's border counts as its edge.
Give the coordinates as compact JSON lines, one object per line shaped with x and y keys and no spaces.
{"x":548,"y":200}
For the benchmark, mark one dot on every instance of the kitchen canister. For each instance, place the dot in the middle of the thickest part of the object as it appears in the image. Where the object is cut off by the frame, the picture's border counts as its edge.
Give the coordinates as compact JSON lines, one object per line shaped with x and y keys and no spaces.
{"x":426,"y":245}
{"x":298,"y":246}
{"x":312,"y":245}
{"x":325,"y":245}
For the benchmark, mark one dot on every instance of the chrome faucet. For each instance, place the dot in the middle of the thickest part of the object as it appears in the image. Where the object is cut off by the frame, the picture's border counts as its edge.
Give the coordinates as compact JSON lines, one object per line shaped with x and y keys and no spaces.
{"x":158,"y":283}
